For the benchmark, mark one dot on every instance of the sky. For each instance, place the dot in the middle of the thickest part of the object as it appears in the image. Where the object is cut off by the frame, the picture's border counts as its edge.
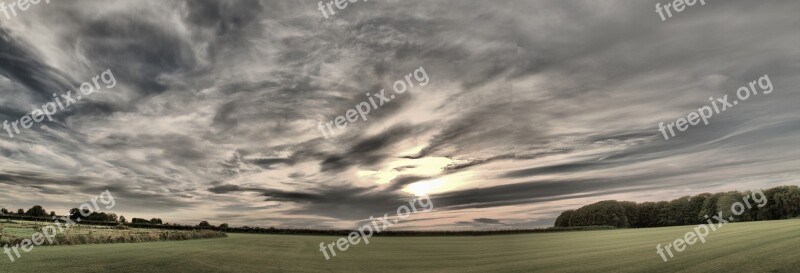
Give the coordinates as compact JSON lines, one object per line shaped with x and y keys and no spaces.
{"x":531,"y":108}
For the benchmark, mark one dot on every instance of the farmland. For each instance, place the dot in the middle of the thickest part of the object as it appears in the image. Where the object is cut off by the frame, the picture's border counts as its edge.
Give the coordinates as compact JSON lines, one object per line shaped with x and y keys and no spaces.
{"x":739,"y":247}
{"x":14,"y":232}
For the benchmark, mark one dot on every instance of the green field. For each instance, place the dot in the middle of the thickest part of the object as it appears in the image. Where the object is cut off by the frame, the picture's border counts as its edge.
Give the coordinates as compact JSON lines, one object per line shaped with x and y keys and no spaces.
{"x":741,"y":247}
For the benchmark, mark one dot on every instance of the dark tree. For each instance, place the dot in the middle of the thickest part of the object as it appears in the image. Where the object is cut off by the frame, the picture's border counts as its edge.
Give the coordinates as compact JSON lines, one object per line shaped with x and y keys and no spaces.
{"x":563,"y":219}
{"x":695,"y":205}
{"x":139,"y":221}
{"x":631,"y":212}
{"x":76,"y":213}
{"x":604,"y":213}
{"x":709,"y":208}
{"x":772,"y":204}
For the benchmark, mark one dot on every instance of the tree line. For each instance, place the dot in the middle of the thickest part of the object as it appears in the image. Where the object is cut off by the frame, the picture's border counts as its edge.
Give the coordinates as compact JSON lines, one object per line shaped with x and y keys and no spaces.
{"x":38,"y":213}
{"x":781,"y":202}
{"x":35,"y":211}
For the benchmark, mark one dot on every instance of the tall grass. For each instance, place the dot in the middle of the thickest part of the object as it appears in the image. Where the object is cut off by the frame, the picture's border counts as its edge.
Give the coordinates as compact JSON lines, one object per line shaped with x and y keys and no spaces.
{"x":80,"y":234}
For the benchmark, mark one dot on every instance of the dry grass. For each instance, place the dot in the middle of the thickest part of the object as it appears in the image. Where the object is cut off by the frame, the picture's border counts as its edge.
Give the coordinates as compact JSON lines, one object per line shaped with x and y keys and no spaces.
{"x":13,"y":233}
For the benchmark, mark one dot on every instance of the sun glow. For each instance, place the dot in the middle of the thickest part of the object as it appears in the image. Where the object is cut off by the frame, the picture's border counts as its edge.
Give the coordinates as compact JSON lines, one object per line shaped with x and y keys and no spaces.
{"x":429,"y":166}
{"x":432,"y":167}
{"x":439,"y":185}
{"x":425,"y":187}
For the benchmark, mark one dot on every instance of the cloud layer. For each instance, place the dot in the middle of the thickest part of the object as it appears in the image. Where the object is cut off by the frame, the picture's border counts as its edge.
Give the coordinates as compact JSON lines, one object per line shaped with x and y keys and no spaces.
{"x":533,"y":107}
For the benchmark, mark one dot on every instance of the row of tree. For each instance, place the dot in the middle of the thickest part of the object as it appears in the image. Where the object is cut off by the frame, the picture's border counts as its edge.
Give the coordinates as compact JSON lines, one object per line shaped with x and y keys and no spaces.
{"x":35,"y":211}
{"x":94,"y":216}
{"x":39,"y":213}
{"x":779,"y":203}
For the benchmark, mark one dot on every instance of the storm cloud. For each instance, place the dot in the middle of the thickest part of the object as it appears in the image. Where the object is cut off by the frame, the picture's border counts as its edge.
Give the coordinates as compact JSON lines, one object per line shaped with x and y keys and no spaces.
{"x":533,"y":107}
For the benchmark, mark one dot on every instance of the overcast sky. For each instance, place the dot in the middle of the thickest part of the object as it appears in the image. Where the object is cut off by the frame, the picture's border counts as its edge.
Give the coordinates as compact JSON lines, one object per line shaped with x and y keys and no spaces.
{"x":533,"y":107}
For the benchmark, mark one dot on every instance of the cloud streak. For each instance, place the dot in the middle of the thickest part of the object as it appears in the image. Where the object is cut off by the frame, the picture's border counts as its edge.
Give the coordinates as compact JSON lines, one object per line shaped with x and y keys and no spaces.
{"x":533,"y":107}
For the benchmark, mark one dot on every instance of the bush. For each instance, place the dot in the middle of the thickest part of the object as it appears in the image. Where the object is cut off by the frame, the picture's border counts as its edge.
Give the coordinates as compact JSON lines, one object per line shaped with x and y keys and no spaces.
{"x":120,"y":234}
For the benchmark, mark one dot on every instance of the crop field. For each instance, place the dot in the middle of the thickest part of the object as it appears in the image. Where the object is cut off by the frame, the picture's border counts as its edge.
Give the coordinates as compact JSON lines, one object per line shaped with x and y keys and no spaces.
{"x":13,"y":232}
{"x":738,"y":247}
{"x":24,"y":229}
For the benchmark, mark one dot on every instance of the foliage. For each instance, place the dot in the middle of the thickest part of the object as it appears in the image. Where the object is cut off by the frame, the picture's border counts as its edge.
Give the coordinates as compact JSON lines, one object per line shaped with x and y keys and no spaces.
{"x":782,"y":203}
{"x":36,"y":211}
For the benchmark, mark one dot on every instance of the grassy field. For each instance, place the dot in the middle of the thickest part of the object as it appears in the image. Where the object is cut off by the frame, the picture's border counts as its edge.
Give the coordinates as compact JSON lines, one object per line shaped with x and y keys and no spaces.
{"x":741,"y":247}
{"x":13,"y":232}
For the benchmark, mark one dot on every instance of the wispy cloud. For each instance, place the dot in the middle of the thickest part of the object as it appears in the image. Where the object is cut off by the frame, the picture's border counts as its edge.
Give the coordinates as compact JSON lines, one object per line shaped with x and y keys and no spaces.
{"x":533,"y":107}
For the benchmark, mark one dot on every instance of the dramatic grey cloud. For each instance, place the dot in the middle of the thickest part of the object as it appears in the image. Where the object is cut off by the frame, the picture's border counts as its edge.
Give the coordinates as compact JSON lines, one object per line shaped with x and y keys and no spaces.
{"x":533,"y":107}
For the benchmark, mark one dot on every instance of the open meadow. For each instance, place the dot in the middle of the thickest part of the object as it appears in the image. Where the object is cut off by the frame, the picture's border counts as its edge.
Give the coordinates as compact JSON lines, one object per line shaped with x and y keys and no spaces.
{"x":738,"y":247}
